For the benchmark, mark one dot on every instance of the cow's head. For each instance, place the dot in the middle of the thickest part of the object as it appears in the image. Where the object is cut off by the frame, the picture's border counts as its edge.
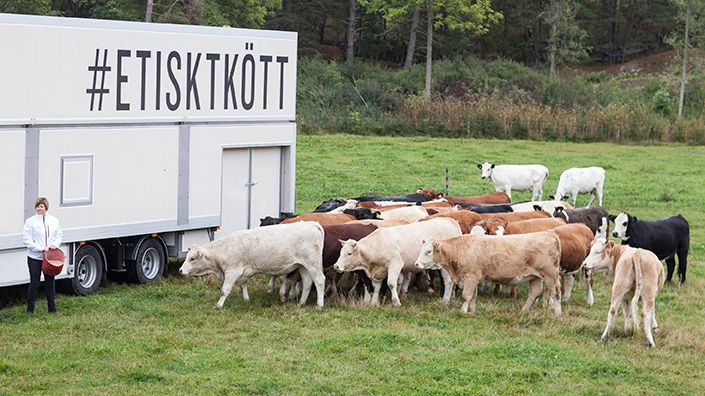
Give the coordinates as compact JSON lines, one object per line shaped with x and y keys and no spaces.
{"x":477,"y":230}
{"x":350,"y":258}
{"x":493,"y":225}
{"x":486,"y":169}
{"x":559,"y":213}
{"x":600,"y":256}
{"x":363,"y":213}
{"x":429,"y":193}
{"x":621,"y":225}
{"x":426,"y":256}
{"x":198,"y":262}
{"x":603,"y":229}
{"x":269,"y":220}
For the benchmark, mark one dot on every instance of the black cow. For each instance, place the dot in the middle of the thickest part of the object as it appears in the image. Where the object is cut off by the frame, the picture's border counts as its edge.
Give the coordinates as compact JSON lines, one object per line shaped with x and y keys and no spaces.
{"x":269,"y":220}
{"x":421,"y":195}
{"x":590,"y":216}
{"x":330,"y":204}
{"x":492,"y":208}
{"x":363,"y":213}
{"x":665,"y":238}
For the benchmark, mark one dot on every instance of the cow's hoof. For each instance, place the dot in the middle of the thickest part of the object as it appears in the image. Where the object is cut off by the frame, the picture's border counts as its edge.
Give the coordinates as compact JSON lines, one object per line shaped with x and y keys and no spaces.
{"x":656,"y":329}
{"x":650,"y":345}
{"x":604,"y":338}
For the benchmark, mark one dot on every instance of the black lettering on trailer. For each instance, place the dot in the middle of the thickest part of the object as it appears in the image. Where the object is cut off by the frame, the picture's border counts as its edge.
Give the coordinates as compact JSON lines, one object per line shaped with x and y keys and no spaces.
{"x":229,"y":87}
{"x":251,"y":60}
{"x":265,"y":59}
{"x":159,"y":80}
{"x":143,"y":91}
{"x":213,"y":58}
{"x":191,"y":81}
{"x":121,"y":53}
{"x":281,"y":60}
{"x":173,"y":105}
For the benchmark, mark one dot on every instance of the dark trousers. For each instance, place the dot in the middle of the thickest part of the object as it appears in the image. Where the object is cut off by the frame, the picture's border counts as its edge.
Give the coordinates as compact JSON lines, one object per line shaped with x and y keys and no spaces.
{"x":35,"y":272}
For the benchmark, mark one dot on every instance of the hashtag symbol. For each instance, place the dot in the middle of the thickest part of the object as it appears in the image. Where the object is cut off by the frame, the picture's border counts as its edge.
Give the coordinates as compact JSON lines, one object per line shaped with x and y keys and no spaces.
{"x":98,"y":69}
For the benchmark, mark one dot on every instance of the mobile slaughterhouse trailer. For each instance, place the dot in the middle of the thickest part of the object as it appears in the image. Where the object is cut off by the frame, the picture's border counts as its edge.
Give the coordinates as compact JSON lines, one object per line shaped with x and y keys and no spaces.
{"x":145,"y":138}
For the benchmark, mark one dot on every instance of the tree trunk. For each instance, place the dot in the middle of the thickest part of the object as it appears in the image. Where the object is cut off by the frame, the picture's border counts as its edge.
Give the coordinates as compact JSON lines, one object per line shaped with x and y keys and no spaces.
{"x":553,"y":39}
{"x":287,"y":6}
{"x":429,"y":48}
{"x":411,"y":48}
{"x":148,"y":13}
{"x":684,"y":69}
{"x":350,"y":50}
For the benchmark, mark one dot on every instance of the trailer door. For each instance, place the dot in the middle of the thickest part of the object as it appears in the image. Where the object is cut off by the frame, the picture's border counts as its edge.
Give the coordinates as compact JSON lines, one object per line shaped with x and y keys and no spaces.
{"x":265,"y":184}
{"x":234,"y":191}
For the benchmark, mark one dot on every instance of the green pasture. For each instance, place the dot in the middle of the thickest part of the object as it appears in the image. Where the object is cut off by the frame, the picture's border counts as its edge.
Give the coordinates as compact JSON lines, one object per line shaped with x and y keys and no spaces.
{"x":168,"y":338}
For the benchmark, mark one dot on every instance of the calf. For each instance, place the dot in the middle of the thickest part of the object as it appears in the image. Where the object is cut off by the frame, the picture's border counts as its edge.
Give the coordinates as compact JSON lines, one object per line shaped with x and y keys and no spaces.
{"x":581,"y":180}
{"x":591,"y":216}
{"x":409,"y":213}
{"x":329,"y":205}
{"x":575,"y":246}
{"x":389,"y":252}
{"x":495,"y":208}
{"x":530,"y":206}
{"x":269,"y":220}
{"x":516,"y":177}
{"x":500,"y":226}
{"x":274,"y":250}
{"x":518,"y":216}
{"x":509,"y":260}
{"x":363,"y":213}
{"x":666,"y":238}
{"x":638,"y":273}
{"x":421,"y":195}
{"x":333,"y":234}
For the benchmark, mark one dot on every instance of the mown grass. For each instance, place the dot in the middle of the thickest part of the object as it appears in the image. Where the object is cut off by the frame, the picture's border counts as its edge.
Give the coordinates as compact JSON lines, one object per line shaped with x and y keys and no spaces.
{"x":170,"y":338}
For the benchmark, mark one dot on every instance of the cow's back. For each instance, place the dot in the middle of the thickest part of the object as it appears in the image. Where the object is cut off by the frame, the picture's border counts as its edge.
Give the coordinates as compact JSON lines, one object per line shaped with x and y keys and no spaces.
{"x":518,"y":216}
{"x":663,"y":237}
{"x":533,"y":225}
{"x":322,"y":218}
{"x":274,"y":248}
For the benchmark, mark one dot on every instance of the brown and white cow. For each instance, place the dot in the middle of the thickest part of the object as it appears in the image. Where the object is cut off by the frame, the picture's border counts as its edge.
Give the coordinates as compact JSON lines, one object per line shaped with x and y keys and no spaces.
{"x":465,"y":218}
{"x":508,"y":260}
{"x":500,"y":226}
{"x":409,"y":213}
{"x":638,"y":273}
{"x":390,"y":252}
{"x":322,"y":218}
{"x":274,"y":250}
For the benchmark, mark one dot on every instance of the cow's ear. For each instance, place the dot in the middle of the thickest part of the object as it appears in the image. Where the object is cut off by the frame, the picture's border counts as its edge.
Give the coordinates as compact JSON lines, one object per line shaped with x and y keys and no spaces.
{"x":552,"y":197}
{"x":632,"y":219}
{"x":609,"y":245}
{"x":479,"y":166}
{"x":197,"y":253}
{"x":558,"y":209}
{"x":492,"y":167}
{"x":565,"y":197}
{"x":612,"y":217}
{"x":538,"y":208}
{"x":378,"y":215}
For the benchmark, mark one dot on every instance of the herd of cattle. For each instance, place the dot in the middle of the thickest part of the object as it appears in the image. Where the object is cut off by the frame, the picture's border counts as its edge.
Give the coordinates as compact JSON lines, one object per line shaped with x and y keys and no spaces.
{"x":466,"y":240}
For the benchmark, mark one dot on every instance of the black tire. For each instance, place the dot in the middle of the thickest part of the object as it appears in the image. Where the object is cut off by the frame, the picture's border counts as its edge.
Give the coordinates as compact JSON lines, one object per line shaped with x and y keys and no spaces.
{"x":87,"y":270}
{"x":149,"y":264}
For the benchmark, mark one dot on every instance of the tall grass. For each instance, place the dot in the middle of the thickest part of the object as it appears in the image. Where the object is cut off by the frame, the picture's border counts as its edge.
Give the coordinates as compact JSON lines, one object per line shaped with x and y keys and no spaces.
{"x":497,"y":99}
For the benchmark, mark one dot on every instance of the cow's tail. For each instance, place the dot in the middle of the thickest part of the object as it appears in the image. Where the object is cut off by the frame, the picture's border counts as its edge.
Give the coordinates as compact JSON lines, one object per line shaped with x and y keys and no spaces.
{"x":639,"y":280}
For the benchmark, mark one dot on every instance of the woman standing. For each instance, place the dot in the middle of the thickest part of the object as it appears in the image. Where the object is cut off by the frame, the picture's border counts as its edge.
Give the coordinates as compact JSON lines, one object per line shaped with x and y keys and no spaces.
{"x":41,"y":232}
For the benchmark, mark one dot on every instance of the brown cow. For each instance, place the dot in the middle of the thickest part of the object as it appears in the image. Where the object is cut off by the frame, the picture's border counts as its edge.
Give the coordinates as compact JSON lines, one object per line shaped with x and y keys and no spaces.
{"x":518,"y":216}
{"x":575,"y":246}
{"x":465,"y":218}
{"x":321,"y":218}
{"x":512,"y":259}
{"x":492,"y":198}
{"x":332,"y":235}
{"x":637,"y":273}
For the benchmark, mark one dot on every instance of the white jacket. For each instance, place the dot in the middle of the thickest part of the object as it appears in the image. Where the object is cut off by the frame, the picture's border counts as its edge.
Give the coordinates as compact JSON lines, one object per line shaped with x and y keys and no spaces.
{"x":41,"y":231}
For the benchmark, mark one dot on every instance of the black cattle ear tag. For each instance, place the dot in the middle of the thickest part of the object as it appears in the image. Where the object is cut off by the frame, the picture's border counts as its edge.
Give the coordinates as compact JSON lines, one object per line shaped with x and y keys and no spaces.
{"x":612,"y":217}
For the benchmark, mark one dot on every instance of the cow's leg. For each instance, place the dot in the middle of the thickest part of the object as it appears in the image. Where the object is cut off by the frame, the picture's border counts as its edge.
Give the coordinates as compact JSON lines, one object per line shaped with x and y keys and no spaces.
{"x":231,"y":276}
{"x":648,"y":314}
{"x":307,"y":282}
{"x":469,"y":295}
{"x":670,"y":267}
{"x":282,"y":288}
{"x":319,"y":280}
{"x":535,"y":286}
{"x":508,"y":190}
{"x":598,"y":191}
{"x":588,"y":282}
{"x":406,"y":281}
{"x":536,"y":192}
{"x":245,"y":294}
{"x":376,"y":285}
{"x":568,"y":280}
{"x":430,"y":276}
{"x":627,"y":313}
{"x":393,"y":274}
{"x":617,"y":295}
{"x":270,"y":285}
{"x":497,"y":288}
{"x":574,"y":196}
{"x":683,"y":259}
{"x":654,"y":324}
{"x":513,"y":292}
{"x":447,"y":286}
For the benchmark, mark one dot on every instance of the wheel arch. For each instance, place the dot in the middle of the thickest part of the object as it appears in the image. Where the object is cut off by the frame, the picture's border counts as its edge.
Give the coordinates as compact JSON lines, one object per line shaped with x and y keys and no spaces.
{"x":162,"y":244}
{"x":98,"y":246}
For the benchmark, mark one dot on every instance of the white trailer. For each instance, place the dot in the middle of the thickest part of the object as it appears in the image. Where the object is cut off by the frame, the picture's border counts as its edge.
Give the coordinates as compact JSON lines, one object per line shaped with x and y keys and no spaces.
{"x":144,"y":137}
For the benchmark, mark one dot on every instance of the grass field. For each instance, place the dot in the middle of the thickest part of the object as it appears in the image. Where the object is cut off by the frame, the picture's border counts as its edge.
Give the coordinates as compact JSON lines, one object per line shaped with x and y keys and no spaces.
{"x":168,"y":338}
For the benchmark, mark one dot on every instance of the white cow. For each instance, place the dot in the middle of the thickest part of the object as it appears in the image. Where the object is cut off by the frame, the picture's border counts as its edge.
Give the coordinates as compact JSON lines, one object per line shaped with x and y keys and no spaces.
{"x":516,"y":177}
{"x":391,"y":251}
{"x":581,"y":180}
{"x":275,"y":250}
{"x":408,"y":213}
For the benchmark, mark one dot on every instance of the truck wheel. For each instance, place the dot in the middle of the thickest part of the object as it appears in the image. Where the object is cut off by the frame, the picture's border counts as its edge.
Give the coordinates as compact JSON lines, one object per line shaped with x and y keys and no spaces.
{"x":87,"y":271}
{"x":149,"y":264}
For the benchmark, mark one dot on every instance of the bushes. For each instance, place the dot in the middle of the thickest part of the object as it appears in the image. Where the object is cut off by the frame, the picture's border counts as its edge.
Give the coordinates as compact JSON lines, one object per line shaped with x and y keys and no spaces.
{"x":500,"y":99}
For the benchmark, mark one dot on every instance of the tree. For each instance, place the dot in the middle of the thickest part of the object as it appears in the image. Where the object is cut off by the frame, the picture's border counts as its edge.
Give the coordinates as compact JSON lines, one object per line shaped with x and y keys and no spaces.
{"x":148,"y":12}
{"x":692,"y":16}
{"x":566,"y":38}
{"x":411,"y":47}
{"x":350,"y":48}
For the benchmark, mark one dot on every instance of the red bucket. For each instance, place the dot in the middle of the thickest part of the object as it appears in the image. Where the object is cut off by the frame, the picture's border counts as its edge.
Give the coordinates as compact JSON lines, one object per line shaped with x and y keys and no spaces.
{"x":53,"y":262}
